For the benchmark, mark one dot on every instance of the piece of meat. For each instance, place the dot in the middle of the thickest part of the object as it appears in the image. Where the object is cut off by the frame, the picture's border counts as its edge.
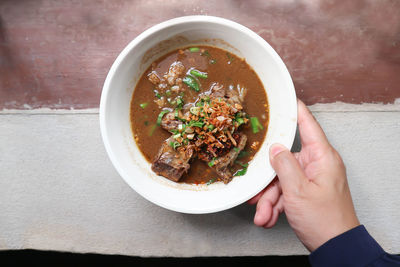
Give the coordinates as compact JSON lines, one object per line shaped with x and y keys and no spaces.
{"x":233,"y":96}
{"x":175,"y":70}
{"x":236,"y":95}
{"x":217,"y":90}
{"x":169,"y":122}
{"x":153,"y":77}
{"x":221,"y":164}
{"x":171,"y":163}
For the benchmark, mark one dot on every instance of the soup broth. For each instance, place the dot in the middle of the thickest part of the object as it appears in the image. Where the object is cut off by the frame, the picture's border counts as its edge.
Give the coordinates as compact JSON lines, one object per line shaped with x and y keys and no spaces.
{"x":187,"y":82}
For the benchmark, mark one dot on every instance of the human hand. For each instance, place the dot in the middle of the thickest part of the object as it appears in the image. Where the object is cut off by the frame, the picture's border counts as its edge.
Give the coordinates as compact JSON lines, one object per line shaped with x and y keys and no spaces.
{"x":312,"y":188}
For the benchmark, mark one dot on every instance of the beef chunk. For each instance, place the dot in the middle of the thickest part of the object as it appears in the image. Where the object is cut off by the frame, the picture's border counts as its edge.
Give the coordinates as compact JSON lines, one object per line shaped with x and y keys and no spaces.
{"x":174,"y":72}
{"x":171,"y":163}
{"x":169,"y":122}
{"x":153,"y":77}
{"x":221,"y":164}
{"x":217,"y":90}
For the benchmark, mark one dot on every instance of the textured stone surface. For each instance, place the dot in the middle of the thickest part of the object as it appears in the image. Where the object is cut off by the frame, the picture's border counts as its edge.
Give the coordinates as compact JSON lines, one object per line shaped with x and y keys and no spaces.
{"x":59,"y":191}
{"x":57,"y":53}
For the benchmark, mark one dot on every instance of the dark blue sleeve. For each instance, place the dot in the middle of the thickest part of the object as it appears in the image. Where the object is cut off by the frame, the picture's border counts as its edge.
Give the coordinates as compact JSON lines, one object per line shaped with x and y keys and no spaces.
{"x":352,"y":248}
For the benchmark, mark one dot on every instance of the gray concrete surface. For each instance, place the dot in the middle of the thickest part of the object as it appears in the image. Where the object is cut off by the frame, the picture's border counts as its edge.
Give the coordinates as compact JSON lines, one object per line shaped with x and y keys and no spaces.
{"x":59,"y":191}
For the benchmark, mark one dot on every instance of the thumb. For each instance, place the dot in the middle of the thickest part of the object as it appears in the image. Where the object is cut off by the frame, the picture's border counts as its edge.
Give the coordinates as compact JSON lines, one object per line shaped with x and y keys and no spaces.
{"x":288,"y":169}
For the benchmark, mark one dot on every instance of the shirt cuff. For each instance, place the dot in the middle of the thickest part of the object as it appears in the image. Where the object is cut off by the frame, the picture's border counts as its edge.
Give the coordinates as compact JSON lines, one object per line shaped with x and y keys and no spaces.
{"x":352,"y":248}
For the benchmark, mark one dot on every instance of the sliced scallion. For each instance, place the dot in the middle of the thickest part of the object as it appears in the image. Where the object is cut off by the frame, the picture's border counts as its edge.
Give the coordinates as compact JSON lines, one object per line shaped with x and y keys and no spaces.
{"x":212,"y":162}
{"x":205,"y":53}
{"x":144,"y":105}
{"x":152,"y":129}
{"x":244,"y":165}
{"x":191,"y":82}
{"x":179,"y":102}
{"x":242,"y":154}
{"x":175,"y":144}
{"x":195,"y":110}
{"x":230,"y":57}
{"x":172,"y":102}
{"x":240,"y":121}
{"x":157,"y":94}
{"x":211,"y":181}
{"x":255,"y":124}
{"x":161,"y":115}
{"x":199,"y":74}
{"x":194,"y":49}
{"x":240,"y":172}
{"x":196,"y":124}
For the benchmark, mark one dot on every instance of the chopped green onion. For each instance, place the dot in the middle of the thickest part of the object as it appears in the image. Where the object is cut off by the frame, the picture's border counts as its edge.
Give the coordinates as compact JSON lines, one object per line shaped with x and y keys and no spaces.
{"x":236,"y":149}
{"x":174,"y":145}
{"x":195,"y":110}
{"x":196,"y":124}
{"x":179,"y":102}
{"x":144,"y":105}
{"x":211,"y":181}
{"x":241,"y":172}
{"x":230,"y":57}
{"x":240,"y":121}
{"x":194,"y":49}
{"x":242,"y":154}
{"x":255,"y":124}
{"x":168,"y":92}
{"x":213,"y":61}
{"x":172,"y":102}
{"x":205,"y":53}
{"x":244,"y":165}
{"x":157,"y":94}
{"x":199,"y":74}
{"x":181,"y":119}
{"x":210,"y":127}
{"x":201,"y":102}
{"x":191,"y":82}
{"x":176,"y":113}
{"x":152,"y":129}
{"x":177,"y":135}
{"x":181,"y":94}
{"x":212,"y":162}
{"x":161,"y":115}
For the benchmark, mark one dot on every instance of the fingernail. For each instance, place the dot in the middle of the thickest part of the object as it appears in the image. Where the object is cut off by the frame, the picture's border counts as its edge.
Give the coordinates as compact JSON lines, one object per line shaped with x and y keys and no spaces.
{"x":275,"y":149}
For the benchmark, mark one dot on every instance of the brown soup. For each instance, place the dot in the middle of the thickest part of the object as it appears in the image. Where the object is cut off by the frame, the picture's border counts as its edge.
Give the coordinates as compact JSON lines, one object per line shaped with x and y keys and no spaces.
{"x":209,"y":69}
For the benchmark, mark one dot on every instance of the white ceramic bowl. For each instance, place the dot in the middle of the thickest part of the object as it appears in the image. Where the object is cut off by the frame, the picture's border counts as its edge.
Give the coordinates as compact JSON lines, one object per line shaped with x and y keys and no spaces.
{"x":130,"y":65}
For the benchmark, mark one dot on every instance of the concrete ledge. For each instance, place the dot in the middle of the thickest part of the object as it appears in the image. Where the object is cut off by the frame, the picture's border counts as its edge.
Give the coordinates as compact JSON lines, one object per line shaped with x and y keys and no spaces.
{"x":59,"y":191}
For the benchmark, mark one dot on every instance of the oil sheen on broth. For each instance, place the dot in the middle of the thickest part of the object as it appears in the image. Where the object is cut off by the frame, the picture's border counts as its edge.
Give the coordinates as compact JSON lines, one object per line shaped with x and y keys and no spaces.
{"x":180,"y":95}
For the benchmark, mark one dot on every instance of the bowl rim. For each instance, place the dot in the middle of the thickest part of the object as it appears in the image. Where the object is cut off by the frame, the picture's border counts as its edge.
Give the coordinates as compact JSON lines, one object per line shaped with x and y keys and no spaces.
{"x":153,"y":29}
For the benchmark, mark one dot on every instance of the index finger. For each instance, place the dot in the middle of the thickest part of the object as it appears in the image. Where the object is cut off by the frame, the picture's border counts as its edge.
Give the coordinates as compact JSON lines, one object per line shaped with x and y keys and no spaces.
{"x":309,"y":129}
